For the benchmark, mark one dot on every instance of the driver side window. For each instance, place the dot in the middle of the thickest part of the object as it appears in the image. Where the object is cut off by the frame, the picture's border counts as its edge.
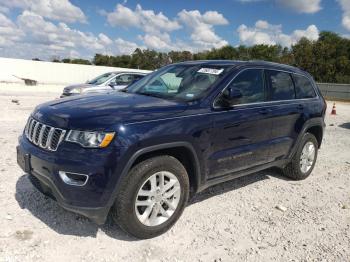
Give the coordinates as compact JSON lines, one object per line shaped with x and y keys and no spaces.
{"x":122,"y":80}
{"x":250,"y":84}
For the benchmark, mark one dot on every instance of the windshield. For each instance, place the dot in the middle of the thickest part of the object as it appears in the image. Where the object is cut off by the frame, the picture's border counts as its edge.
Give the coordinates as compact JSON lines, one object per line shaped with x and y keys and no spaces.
{"x":101,"y":79}
{"x":180,"y":82}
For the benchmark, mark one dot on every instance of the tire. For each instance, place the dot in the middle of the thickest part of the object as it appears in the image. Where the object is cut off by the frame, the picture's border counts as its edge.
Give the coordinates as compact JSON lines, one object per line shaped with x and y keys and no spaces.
{"x":294,"y":169}
{"x":125,"y":212}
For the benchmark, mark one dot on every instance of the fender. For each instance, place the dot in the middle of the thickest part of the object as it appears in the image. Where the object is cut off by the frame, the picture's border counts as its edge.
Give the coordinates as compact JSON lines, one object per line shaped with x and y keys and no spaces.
{"x":319,"y":121}
{"x":153,"y":148}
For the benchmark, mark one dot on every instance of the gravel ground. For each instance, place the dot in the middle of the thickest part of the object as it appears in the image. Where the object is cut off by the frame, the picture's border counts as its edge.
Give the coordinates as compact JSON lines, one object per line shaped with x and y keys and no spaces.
{"x":236,"y":221}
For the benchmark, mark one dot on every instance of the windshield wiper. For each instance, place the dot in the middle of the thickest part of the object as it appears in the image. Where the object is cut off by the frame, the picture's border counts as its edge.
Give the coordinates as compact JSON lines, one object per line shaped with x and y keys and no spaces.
{"x":151,"y":94}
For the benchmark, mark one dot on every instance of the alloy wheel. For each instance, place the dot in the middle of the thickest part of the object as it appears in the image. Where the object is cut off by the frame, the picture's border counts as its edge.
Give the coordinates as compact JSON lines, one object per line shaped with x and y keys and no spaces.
{"x":307,"y":157}
{"x":157,"y":198}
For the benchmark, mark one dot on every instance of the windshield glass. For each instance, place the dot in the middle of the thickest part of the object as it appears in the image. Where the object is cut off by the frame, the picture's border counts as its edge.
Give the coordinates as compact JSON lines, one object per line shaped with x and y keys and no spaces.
{"x":180,"y":82}
{"x":101,"y":79}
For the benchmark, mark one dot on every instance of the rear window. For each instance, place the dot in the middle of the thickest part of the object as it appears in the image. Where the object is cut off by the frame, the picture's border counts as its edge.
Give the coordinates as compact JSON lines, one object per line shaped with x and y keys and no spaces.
{"x":303,"y":87}
{"x":281,"y":85}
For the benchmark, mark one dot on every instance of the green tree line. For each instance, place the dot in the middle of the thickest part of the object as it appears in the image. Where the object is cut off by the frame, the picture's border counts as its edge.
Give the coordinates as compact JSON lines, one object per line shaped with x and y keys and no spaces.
{"x":327,"y":59}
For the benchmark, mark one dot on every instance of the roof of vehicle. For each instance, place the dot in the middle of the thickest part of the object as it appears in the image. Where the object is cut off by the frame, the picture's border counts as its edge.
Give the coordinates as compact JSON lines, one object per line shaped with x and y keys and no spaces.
{"x":245,"y":63}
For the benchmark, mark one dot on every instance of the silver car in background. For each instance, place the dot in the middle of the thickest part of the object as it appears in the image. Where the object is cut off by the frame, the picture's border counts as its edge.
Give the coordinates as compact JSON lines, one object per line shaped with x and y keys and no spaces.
{"x":104,"y":83}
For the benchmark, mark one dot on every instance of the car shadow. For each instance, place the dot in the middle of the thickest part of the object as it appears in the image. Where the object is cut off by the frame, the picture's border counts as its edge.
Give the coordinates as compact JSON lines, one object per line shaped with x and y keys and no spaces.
{"x":68,"y":223}
{"x":237,"y":184}
{"x":60,"y":220}
{"x":345,"y":125}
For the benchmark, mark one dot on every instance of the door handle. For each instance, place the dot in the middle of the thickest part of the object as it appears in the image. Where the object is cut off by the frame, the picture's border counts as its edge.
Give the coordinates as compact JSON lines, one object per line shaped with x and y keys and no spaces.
{"x":300,"y":107}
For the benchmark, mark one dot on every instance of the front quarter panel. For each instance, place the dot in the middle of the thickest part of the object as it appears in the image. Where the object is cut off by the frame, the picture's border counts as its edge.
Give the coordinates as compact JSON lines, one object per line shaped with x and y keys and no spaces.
{"x":193,"y":130}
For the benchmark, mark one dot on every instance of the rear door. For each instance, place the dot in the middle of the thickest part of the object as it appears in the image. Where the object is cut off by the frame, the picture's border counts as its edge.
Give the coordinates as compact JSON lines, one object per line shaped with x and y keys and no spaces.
{"x":286,"y":112}
{"x":242,"y":132}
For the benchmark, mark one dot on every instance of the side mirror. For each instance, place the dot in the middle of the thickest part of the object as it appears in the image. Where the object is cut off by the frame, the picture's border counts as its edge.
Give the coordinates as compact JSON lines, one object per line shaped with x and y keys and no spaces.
{"x":112,"y":84}
{"x":231,"y":94}
{"x":230,"y":97}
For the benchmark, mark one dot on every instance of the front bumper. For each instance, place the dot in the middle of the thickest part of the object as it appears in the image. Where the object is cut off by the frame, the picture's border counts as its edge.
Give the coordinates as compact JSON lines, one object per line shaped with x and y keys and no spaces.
{"x":91,"y":200}
{"x":45,"y":186}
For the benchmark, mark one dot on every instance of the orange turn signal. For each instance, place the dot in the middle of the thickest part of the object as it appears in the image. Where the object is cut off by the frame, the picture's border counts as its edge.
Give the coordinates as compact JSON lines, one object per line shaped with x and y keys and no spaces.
{"x":107,"y":140}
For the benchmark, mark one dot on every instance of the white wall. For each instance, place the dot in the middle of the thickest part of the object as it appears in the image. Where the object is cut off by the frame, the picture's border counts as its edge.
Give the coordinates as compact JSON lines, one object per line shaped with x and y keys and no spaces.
{"x":51,"y":73}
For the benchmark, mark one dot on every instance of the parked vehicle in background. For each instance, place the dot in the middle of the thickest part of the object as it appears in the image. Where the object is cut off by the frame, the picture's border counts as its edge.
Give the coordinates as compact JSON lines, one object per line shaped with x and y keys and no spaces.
{"x":140,"y":154}
{"x":104,"y":83}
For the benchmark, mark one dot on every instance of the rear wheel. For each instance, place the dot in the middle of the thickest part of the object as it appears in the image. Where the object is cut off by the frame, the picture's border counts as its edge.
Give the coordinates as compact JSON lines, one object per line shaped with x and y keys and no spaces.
{"x":304,"y":159}
{"x":152,"y":197}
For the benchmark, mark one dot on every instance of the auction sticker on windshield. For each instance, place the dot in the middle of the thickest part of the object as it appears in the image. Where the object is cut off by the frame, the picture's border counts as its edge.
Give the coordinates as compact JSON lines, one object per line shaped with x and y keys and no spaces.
{"x":212,"y":71}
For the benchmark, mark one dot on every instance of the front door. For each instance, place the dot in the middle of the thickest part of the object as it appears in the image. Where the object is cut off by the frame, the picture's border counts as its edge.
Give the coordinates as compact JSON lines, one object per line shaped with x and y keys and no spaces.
{"x":242,"y":132}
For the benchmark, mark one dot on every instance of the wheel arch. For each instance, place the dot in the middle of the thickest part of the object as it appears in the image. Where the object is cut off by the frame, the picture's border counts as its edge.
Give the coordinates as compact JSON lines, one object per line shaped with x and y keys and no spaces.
{"x":183,"y":151}
{"x":314,"y":126}
{"x":317,"y":131}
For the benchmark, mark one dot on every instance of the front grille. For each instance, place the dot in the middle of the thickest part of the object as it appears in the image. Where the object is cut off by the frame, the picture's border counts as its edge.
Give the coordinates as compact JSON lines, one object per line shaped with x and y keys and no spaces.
{"x":42,"y":135}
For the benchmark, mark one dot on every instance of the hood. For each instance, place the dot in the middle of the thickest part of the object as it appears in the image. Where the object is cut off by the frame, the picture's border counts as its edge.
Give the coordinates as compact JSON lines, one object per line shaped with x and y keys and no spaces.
{"x":67,"y":89}
{"x":100,"y":111}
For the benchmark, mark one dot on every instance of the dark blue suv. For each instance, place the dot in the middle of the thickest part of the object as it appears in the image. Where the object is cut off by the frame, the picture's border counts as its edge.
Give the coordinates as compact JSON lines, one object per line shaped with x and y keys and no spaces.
{"x":139,"y":154}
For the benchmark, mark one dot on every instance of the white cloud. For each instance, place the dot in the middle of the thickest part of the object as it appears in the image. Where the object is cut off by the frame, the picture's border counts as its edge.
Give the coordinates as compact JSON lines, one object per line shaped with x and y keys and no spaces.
{"x":157,"y":26}
{"x":265,"y":33}
{"x":61,"y":10}
{"x":302,"y":6}
{"x":157,"y":42}
{"x":9,"y":32}
{"x":105,"y":39}
{"x":345,"y":5}
{"x":214,"y":18}
{"x":147,"y":20}
{"x":33,"y":36}
{"x":57,"y":37}
{"x":202,"y":27}
{"x":122,"y":46}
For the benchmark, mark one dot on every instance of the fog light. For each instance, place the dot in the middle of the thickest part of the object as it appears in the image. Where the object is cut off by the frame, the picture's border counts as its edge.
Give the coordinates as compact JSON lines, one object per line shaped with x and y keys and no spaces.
{"x":73,"y":179}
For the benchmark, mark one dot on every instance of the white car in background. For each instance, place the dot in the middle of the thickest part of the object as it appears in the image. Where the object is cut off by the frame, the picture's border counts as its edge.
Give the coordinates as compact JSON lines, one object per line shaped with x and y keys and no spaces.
{"x":104,"y":83}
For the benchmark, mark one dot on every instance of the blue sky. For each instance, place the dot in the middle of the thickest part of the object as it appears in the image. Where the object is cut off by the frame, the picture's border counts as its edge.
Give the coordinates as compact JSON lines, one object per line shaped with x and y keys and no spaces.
{"x":81,"y":28}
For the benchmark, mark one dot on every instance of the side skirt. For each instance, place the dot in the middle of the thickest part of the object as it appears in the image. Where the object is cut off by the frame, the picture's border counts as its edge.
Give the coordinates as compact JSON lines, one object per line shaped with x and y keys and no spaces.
{"x":231,"y":176}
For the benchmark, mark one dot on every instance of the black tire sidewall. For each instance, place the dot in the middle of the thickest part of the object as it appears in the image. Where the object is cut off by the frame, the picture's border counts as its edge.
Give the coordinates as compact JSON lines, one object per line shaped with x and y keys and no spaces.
{"x":125,"y":204}
{"x":296,"y":160}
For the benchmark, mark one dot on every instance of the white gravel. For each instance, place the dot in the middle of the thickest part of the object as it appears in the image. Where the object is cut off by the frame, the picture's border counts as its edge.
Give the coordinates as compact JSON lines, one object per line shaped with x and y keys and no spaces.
{"x":260,"y":217}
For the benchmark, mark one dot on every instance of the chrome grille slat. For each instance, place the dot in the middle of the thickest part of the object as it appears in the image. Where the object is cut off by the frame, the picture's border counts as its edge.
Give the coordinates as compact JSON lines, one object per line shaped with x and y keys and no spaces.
{"x":40,"y":140}
{"x":31,"y":129}
{"x":34,"y":131}
{"x":49,"y":138}
{"x":27,"y":127}
{"x":44,"y":136}
{"x":37,"y":131}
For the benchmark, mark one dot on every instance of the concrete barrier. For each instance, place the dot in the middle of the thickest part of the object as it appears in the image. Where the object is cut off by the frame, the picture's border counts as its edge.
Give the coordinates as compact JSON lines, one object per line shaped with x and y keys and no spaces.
{"x":51,"y":73}
{"x":335,"y":91}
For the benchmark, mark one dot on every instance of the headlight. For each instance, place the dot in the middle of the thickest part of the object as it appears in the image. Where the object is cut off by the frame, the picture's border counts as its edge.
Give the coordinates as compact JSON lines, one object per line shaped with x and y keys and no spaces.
{"x":75,"y":90}
{"x":90,"y":139}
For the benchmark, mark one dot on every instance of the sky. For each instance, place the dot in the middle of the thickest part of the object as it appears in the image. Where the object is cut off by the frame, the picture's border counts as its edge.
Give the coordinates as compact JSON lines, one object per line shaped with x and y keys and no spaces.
{"x":49,"y":29}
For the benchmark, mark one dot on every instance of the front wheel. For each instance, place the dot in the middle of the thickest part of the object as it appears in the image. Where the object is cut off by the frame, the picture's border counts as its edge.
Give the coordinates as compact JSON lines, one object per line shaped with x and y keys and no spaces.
{"x":304,"y":159}
{"x":152,"y":197}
